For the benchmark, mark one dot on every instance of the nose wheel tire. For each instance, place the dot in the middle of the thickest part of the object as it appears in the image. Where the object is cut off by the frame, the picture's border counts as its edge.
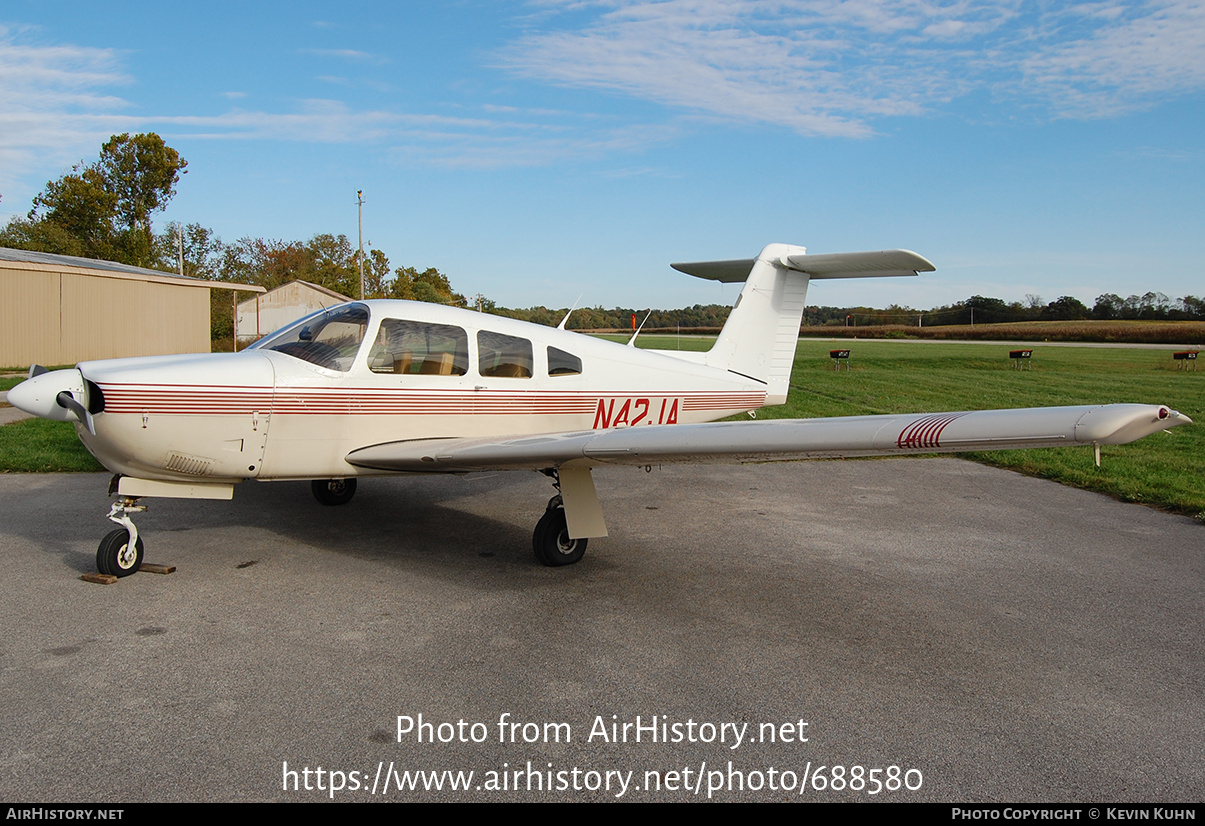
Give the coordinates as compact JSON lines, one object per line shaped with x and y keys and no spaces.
{"x":333,"y":491}
{"x":115,"y":557}
{"x":551,"y":541}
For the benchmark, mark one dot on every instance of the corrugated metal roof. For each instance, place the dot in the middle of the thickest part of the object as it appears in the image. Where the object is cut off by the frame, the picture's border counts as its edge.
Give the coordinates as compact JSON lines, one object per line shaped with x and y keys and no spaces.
{"x":52,"y":260}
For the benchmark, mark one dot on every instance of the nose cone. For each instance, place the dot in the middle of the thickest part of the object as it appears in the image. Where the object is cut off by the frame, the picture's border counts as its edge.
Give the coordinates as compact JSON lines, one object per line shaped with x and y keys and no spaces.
{"x":39,"y":396}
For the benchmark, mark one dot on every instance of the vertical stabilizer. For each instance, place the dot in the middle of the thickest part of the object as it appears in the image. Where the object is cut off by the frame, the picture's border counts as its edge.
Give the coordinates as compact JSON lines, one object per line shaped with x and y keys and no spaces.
{"x":761,"y":334}
{"x":759,"y":338}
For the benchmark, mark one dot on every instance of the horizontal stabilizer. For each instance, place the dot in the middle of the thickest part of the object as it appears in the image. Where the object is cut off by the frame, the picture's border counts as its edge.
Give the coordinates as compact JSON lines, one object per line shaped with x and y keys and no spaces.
{"x":883,"y":263}
{"x":730,"y":272}
{"x":861,"y":264}
{"x":783,"y":439}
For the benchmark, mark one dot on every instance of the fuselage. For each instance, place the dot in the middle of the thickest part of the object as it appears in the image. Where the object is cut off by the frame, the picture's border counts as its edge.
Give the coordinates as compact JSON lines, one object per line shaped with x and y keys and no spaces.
{"x":294,"y":405}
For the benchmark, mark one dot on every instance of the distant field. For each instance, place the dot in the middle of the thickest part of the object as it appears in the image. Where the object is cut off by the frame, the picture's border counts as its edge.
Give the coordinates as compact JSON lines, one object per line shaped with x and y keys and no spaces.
{"x":1166,"y":470}
{"x":1183,"y":333}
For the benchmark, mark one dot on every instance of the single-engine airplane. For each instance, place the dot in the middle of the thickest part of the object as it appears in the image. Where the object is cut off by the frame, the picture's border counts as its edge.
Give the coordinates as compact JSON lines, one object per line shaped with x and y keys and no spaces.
{"x":379,"y":387}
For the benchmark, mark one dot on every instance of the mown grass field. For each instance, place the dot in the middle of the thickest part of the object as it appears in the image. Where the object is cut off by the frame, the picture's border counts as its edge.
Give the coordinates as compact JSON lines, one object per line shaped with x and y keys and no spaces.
{"x":1166,"y":470}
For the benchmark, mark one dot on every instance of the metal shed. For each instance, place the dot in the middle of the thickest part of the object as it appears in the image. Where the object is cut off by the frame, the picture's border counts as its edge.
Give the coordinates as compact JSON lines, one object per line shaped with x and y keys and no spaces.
{"x":60,"y":309}
{"x":262,"y":314}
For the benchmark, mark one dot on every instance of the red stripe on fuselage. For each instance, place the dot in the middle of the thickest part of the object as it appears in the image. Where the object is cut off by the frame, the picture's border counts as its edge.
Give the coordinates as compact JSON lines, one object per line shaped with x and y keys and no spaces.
{"x":202,"y":400}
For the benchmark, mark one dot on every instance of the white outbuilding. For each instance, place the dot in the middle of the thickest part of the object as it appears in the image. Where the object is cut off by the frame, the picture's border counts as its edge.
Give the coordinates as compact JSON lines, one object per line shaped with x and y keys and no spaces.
{"x":262,"y":314}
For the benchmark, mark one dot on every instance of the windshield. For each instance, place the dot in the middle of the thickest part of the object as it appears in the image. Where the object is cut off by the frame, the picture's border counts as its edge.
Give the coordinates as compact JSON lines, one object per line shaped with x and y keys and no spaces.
{"x":329,"y":338}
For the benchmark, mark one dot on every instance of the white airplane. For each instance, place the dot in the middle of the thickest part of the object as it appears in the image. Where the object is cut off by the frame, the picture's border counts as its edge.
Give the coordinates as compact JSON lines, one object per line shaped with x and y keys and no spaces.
{"x":381,"y":387}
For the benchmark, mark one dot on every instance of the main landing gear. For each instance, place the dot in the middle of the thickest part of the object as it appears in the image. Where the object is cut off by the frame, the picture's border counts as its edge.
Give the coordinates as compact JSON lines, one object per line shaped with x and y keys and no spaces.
{"x":551,"y":541}
{"x":333,"y":491}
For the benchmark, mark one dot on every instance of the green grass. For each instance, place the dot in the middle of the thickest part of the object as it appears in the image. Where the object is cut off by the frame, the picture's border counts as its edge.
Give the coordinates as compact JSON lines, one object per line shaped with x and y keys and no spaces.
{"x":660,"y":342}
{"x":43,"y":446}
{"x":1166,"y":470}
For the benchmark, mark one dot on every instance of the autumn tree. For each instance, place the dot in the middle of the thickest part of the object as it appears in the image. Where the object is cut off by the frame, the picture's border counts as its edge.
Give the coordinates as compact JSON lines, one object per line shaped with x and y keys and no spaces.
{"x":430,"y":285}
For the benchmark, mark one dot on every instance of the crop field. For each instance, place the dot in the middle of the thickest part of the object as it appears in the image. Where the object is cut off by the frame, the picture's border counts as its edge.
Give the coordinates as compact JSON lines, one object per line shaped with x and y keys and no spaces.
{"x":1166,"y":470}
{"x":1179,"y":333}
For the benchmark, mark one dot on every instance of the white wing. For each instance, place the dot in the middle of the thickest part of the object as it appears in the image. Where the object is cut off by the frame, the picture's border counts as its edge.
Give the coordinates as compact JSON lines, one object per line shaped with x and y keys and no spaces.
{"x":780,"y":439}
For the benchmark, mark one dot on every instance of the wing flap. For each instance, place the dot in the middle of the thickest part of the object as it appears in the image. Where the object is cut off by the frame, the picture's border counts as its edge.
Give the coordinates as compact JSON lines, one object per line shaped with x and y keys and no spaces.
{"x":780,"y":439}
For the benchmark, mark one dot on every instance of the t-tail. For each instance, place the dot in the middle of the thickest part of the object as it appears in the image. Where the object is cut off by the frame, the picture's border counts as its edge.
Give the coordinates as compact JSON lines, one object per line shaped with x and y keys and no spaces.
{"x":759,"y":339}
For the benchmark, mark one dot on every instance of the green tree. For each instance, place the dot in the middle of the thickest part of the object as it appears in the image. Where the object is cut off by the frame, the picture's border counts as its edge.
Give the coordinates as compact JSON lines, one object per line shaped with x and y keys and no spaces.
{"x":202,"y":250}
{"x":102,"y":210}
{"x":41,"y":236}
{"x":1065,"y":308}
{"x":429,"y":285}
{"x":140,"y":172}
{"x":81,"y":206}
{"x":1108,"y":306}
{"x":376,"y":275}
{"x":333,"y":264}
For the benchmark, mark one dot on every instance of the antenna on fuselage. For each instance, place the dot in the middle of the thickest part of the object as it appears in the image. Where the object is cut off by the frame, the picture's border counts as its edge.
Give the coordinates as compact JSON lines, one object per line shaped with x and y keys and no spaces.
{"x":632,"y":340}
{"x":561,"y":326}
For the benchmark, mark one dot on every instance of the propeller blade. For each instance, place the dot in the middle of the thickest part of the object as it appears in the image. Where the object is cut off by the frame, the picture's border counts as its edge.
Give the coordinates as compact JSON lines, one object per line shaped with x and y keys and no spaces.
{"x":65,"y":399}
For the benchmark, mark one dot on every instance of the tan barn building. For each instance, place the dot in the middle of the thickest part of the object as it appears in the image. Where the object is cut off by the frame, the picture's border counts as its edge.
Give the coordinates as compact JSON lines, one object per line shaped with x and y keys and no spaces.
{"x":262,"y":314}
{"x":60,"y":309}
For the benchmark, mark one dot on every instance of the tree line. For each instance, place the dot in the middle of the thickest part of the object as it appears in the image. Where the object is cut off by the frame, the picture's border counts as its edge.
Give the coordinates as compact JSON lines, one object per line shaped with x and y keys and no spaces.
{"x":978,"y":309}
{"x":103,"y":210}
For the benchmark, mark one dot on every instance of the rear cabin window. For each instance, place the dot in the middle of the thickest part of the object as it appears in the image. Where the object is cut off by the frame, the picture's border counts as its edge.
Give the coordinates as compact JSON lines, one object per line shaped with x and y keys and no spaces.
{"x":561,"y":363}
{"x":504,"y":357}
{"x":417,"y":348}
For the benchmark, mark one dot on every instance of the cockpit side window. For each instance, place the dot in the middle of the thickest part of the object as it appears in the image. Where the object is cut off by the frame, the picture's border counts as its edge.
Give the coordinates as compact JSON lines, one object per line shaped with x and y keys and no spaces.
{"x":328,"y":339}
{"x":503,"y":356}
{"x":419,"y":348}
{"x":561,"y":363}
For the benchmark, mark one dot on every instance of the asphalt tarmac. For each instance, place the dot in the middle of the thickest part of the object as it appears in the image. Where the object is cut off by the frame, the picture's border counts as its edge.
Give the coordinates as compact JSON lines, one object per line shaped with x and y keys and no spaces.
{"x":948,"y":631}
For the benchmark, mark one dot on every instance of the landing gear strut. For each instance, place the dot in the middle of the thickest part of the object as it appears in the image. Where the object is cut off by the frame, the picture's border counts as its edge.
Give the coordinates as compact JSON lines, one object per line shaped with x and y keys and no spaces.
{"x":121,"y":551}
{"x":551,"y":541}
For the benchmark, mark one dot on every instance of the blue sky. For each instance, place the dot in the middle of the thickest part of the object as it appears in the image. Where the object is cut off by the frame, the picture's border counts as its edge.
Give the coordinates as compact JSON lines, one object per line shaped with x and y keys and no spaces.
{"x":539,"y":151}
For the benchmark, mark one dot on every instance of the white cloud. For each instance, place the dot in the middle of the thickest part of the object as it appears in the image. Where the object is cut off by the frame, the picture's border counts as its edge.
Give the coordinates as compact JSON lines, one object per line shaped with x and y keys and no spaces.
{"x":833,"y":67}
{"x":351,"y":55}
{"x":54,"y":103}
{"x":1132,"y":57}
{"x":57,"y":107}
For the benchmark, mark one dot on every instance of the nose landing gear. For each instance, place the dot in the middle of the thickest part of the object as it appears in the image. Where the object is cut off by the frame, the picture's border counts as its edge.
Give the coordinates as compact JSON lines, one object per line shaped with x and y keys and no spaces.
{"x":121,"y":551}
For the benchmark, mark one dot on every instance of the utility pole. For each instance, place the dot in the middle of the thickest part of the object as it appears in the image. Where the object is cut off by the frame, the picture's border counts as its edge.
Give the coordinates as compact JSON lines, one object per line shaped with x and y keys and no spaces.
{"x":360,"y":206}
{"x":180,"y":245}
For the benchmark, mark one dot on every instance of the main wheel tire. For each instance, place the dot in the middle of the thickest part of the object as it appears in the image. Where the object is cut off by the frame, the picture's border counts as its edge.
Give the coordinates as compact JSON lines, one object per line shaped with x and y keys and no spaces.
{"x":551,"y":541}
{"x":114,"y":558}
{"x":333,"y":491}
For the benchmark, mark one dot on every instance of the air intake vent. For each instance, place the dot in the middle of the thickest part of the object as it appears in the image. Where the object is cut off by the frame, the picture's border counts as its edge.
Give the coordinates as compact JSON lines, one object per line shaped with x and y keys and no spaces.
{"x":191,"y":465}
